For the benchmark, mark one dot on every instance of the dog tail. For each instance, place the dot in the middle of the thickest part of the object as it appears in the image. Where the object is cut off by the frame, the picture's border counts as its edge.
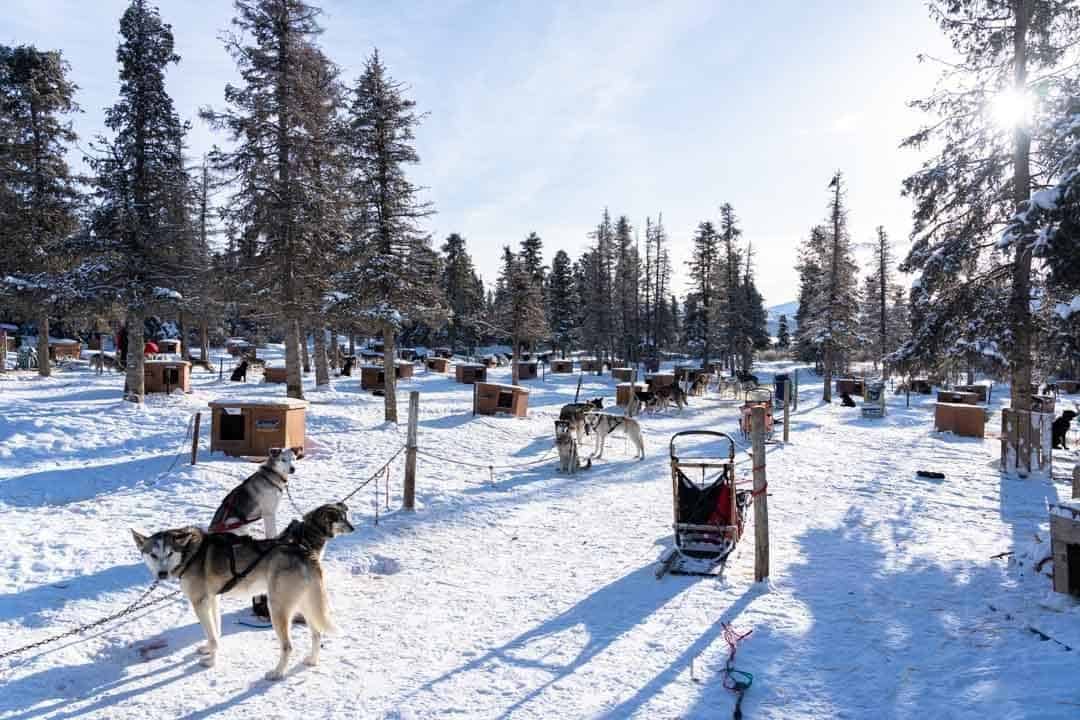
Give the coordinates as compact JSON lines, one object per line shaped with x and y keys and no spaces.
{"x":317,"y":612}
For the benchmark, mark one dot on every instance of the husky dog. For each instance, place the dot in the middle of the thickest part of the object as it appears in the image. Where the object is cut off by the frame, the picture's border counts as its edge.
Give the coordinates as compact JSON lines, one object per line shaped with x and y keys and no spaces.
{"x":289,"y":568}
{"x":574,"y":413}
{"x":350,"y":362}
{"x":1060,"y":429}
{"x":568,"y":449}
{"x":603,"y":424}
{"x":257,"y":497}
{"x":239,"y":373}
{"x":663,"y":396}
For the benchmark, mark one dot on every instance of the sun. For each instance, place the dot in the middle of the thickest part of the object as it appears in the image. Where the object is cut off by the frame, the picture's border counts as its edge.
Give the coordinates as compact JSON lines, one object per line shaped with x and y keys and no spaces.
{"x":1011,"y":108}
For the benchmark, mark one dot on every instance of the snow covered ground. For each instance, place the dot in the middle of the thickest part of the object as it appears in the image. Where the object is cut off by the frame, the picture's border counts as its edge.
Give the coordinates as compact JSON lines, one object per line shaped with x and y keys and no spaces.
{"x":534,"y":596}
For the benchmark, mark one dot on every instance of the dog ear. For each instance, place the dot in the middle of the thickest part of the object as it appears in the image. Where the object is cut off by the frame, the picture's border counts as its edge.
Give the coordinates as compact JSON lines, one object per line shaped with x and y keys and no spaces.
{"x":275,"y":452}
{"x":186,"y":536}
{"x":139,"y":539}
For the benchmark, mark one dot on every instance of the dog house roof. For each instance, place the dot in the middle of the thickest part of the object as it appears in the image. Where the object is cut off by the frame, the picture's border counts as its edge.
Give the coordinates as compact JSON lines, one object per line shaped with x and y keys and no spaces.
{"x":166,"y":361}
{"x":283,"y":403}
{"x":503,"y":386}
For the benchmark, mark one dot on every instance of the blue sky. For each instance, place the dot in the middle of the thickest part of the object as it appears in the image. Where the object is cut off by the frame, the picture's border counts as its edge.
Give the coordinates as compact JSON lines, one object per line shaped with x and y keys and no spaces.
{"x":543,"y":113}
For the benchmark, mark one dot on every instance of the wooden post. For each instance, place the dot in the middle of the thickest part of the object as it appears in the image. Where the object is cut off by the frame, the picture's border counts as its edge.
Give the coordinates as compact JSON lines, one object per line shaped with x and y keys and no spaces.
{"x":409,"y":492}
{"x":1076,"y":482}
{"x":761,"y":504}
{"x":787,"y":410}
{"x":796,"y":388}
{"x":195,"y":438}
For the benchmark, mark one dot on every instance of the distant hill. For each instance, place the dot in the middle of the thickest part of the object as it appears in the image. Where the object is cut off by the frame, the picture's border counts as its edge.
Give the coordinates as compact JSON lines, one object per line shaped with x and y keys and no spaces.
{"x":776,"y":311}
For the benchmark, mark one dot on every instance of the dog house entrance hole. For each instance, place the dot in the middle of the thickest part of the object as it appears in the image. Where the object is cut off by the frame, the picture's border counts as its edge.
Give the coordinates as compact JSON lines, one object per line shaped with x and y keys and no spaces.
{"x":506,"y":400}
{"x":232,"y":425}
{"x":1073,"y":556}
{"x":171,"y":375}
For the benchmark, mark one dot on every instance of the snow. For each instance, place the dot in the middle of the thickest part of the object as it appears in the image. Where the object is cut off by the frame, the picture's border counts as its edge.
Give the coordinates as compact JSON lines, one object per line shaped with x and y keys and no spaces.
{"x":1066,"y":310}
{"x":167,"y":294}
{"x":533,"y":595}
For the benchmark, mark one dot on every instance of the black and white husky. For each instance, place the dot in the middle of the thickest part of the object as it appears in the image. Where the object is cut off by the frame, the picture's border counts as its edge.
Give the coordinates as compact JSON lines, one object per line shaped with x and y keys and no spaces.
{"x":603,"y":424}
{"x":257,"y":497}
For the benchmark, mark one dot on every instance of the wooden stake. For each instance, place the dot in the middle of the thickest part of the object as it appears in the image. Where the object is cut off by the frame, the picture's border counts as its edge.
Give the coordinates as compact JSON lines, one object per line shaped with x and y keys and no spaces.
{"x":796,"y":388}
{"x":409,"y":491}
{"x":787,"y":410}
{"x":1076,"y":482}
{"x":761,"y":503}
{"x":195,"y":438}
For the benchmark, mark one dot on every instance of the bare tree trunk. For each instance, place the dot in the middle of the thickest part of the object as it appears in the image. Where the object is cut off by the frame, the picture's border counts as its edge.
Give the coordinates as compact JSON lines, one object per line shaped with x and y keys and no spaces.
{"x":204,"y":338}
{"x":352,"y":343}
{"x":334,"y":353}
{"x":185,"y":349}
{"x":3,"y":351}
{"x":44,"y":367}
{"x":1020,"y":299}
{"x":294,"y":381}
{"x":390,"y":373}
{"x":304,"y":352}
{"x":322,"y":367}
{"x":514,"y":360}
{"x":135,"y":381}
{"x":827,"y":395}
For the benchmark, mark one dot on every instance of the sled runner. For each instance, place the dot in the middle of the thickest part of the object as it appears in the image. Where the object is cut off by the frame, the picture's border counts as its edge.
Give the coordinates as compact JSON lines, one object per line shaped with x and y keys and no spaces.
{"x":708,"y":509}
{"x":759,"y":396}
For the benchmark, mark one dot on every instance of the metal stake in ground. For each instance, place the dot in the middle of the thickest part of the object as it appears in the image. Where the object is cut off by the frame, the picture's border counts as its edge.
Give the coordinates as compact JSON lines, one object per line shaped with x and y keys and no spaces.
{"x":409,"y":491}
{"x":195,"y":439}
{"x":761,"y":503}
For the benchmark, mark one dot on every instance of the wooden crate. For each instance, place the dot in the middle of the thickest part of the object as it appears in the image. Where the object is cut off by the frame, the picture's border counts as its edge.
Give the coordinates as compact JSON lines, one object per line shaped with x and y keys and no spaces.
{"x":493,"y":398}
{"x":527,"y":369}
{"x":624,"y":374}
{"x":164,"y":376}
{"x":957,"y":396}
{"x":469,"y":373}
{"x":170,"y":346}
{"x":252,"y":427}
{"x":979,"y":390}
{"x":275,"y":375}
{"x":65,"y":350}
{"x":851,"y":386}
{"x":960,"y":419}
{"x":1065,"y":546}
{"x":561,"y":367}
{"x":625,"y":390}
{"x":437,"y":364}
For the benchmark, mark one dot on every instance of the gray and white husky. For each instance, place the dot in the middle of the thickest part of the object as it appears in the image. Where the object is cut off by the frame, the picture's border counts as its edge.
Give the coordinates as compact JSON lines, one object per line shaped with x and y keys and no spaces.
{"x":257,"y":497}
{"x":603,"y":424}
{"x":288,"y":569}
{"x":567,"y":445}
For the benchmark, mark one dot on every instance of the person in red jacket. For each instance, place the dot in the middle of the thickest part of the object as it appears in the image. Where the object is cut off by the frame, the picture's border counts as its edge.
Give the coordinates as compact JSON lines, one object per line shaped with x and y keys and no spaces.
{"x":150,"y":348}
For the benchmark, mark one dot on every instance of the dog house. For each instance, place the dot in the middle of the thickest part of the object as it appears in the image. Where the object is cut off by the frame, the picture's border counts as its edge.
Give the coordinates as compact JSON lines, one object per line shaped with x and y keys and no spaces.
{"x":444,"y":352}
{"x":404,"y":369}
{"x":275,"y":375}
{"x":1029,"y":435}
{"x":236,"y":346}
{"x":874,"y":401}
{"x":922,"y":386}
{"x":964,"y":419}
{"x":64,"y":350}
{"x":1069,"y":387}
{"x":527,"y":369}
{"x":958,"y":396}
{"x":437,"y":364}
{"x":369,"y":355}
{"x":251,"y":427}
{"x":589,"y":364}
{"x":407,"y":354}
{"x":625,"y":390}
{"x":1042,"y":403}
{"x":683,"y":372}
{"x":373,"y":377}
{"x":652,"y":365}
{"x":979,"y":390}
{"x":493,"y":398}
{"x":561,"y":367}
{"x":657,"y":380}
{"x":624,"y":374}
{"x":851,"y":386}
{"x":469,"y":373}
{"x":164,"y":376}
{"x":170,"y":346}
{"x":1065,"y":546}
{"x":490,"y":361}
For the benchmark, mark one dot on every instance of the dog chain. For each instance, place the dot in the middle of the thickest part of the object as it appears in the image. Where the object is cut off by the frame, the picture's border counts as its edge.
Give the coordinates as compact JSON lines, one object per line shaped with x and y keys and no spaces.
{"x":137,"y":605}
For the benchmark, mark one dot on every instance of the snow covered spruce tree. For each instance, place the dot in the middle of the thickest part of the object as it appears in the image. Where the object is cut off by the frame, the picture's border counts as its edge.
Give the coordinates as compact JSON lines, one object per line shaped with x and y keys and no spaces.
{"x":280,"y":121}
{"x":703,"y":265}
{"x":783,"y":334}
{"x":396,"y":276}
{"x":464,"y":292}
{"x":753,"y":327}
{"x":807,"y":344}
{"x":38,"y":194}
{"x":562,"y":303}
{"x":519,"y":309}
{"x":626,"y":281}
{"x":141,"y":185}
{"x":990,"y":133}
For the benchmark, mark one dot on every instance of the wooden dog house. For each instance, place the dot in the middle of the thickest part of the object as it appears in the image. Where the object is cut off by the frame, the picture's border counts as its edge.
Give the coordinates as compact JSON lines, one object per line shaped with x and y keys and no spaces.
{"x":527,"y":369}
{"x":624,"y":374}
{"x":490,"y":361}
{"x":1029,"y":434}
{"x":170,"y":346}
{"x":964,"y":419}
{"x":164,"y":376}
{"x":437,"y":364}
{"x":1043,"y":403}
{"x":469,"y":373}
{"x":373,"y":377}
{"x":444,"y":352}
{"x":851,"y":386}
{"x":979,"y":390}
{"x":625,"y":390}
{"x":407,"y":354}
{"x":561,"y":367}
{"x":1065,"y":546}
{"x":64,"y":350}
{"x":275,"y":375}
{"x":657,"y":380}
{"x":404,"y":369}
{"x":493,"y":398}
{"x":252,"y":427}
{"x":1069,"y":387}
{"x":236,"y":346}
{"x":922,"y":386}
{"x":589,"y":364}
{"x":957,"y":396}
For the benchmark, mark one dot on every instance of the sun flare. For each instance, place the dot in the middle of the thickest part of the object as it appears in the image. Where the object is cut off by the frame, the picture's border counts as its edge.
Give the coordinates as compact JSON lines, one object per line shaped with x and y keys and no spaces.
{"x":1011,"y":108}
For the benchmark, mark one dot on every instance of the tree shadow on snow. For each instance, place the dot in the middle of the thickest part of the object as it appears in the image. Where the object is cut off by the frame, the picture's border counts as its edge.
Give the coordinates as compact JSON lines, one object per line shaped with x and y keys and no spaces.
{"x":72,"y":485}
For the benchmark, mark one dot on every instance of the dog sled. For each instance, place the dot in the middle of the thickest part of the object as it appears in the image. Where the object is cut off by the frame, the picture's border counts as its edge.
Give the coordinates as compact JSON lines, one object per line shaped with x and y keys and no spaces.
{"x":757,"y":397}
{"x":708,"y":510}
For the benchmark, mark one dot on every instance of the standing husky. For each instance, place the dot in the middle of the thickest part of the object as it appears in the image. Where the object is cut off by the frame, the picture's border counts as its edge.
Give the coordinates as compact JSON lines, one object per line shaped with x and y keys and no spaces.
{"x":603,"y":424}
{"x":257,"y":497}
{"x":574,"y":413}
{"x":568,"y":448}
{"x":287,"y":568}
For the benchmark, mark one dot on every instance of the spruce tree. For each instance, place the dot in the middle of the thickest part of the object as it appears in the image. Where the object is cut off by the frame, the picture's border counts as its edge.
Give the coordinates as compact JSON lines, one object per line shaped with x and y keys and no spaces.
{"x":837,"y":299}
{"x":627,"y":277}
{"x":731,"y":313}
{"x":464,"y":291}
{"x":703,"y":267}
{"x":783,"y":335}
{"x":532,"y":257}
{"x":562,"y":303}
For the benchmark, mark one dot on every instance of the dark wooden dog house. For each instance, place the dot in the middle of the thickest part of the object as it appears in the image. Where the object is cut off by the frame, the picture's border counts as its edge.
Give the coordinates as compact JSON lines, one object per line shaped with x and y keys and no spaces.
{"x":957,"y":396}
{"x":657,"y":380}
{"x":164,"y":376}
{"x":922,"y":386}
{"x":373,"y":377}
{"x":405,"y":369}
{"x":65,"y":350}
{"x":493,"y":398}
{"x":407,"y":354}
{"x":1069,"y":387}
{"x":444,"y":352}
{"x":964,"y":419}
{"x":979,"y":390}
{"x":170,"y":346}
{"x":252,"y":427}
{"x":624,"y":374}
{"x":1065,"y":546}
{"x":527,"y":369}
{"x":1043,"y":403}
{"x":236,"y":346}
{"x":851,"y":386}
{"x":437,"y":364}
{"x":589,"y":365}
{"x":561,"y":367}
{"x":469,"y":373}
{"x":625,"y":390}
{"x":275,"y":375}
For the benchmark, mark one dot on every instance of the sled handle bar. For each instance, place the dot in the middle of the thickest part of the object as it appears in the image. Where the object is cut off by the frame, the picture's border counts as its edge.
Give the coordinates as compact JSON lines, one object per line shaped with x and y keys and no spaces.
{"x":709,"y":433}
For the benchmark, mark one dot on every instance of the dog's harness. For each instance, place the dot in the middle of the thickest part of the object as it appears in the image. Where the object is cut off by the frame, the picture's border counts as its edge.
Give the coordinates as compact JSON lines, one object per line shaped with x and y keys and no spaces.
{"x":229,"y":503}
{"x":232,"y":541}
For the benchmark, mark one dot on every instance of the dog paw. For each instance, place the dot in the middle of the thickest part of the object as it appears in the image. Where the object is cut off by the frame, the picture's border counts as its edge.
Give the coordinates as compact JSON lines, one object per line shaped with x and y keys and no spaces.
{"x":275,"y":675}
{"x":206,"y":649}
{"x":208,"y":660}
{"x":311,"y":661}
